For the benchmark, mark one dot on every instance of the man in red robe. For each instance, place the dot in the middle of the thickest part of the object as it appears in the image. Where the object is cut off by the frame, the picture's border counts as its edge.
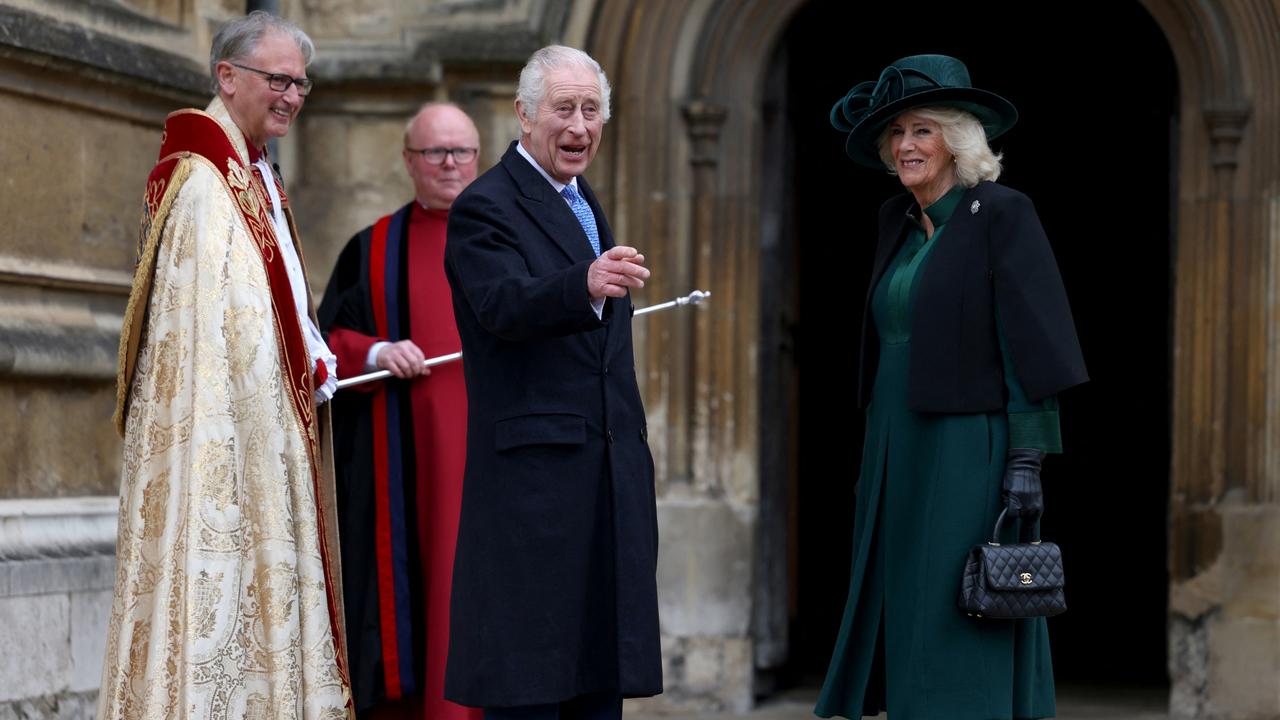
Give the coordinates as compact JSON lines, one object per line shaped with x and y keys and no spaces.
{"x":400,"y":443}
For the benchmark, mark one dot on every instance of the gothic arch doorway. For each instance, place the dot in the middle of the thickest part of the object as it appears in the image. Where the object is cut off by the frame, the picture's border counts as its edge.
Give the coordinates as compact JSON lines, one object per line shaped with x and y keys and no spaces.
{"x":702,"y":166}
{"x":1097,"y":157}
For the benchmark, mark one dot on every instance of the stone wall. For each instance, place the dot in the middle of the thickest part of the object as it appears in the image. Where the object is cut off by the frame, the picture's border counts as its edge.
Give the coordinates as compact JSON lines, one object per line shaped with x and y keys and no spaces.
{"x":1224,"y":626}
{"x":57,"y":570}
{"x":81,"y":107}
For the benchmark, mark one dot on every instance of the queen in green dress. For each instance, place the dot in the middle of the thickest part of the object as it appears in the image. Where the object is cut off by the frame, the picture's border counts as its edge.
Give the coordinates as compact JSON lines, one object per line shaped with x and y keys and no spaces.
{"x":967,"y":339}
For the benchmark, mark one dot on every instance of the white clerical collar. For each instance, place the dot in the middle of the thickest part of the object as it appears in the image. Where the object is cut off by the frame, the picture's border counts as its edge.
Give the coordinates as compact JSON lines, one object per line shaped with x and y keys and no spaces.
{"x":559,"y":186}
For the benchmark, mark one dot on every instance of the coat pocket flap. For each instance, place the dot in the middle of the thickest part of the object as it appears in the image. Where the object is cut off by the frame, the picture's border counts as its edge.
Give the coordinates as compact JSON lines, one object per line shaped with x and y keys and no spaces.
{"x":540,"y":429}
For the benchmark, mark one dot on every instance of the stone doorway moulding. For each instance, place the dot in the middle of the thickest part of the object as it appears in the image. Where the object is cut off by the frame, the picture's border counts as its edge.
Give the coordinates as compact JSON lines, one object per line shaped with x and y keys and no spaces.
{"x":680,"y":173}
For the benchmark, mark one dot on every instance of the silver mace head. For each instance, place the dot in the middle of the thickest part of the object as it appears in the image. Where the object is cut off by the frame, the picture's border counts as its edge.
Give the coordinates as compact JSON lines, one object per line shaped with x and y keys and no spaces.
{"x":694,"y":298}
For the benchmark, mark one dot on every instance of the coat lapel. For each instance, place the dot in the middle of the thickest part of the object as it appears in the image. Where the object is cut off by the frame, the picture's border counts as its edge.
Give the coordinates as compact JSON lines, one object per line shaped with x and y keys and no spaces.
{"x":962,"y":220}
{"x":547,"y":209}
{"x":892,"y":234}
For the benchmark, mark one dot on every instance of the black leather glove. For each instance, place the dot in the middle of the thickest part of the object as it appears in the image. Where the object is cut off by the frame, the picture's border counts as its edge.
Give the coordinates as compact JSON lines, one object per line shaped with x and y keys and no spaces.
{"x":1023,"y":496}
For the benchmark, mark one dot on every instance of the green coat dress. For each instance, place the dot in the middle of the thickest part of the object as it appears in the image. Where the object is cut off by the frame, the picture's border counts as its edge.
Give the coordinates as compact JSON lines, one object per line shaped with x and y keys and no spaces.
{"x":930,"y":490}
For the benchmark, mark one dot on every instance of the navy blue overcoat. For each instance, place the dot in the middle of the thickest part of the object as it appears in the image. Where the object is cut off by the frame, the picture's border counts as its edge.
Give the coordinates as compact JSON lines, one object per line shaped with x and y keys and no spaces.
{"x":554,"y":589}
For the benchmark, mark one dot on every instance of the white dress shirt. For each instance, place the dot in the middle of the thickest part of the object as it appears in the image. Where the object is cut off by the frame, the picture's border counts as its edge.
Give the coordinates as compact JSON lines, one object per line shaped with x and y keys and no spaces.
{"x":316,"y":347}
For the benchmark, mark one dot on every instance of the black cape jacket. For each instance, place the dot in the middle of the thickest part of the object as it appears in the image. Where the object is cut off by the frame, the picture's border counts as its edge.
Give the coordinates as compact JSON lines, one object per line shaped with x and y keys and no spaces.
{"x":994,"y":254}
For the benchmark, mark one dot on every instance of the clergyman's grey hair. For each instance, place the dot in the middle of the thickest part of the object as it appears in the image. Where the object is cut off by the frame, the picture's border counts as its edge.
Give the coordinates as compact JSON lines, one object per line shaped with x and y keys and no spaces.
{"x":238,"y":38}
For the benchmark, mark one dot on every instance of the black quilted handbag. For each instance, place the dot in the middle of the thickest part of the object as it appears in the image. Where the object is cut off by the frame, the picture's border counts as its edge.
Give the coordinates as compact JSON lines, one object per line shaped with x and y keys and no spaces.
{"x":1022,"y":580}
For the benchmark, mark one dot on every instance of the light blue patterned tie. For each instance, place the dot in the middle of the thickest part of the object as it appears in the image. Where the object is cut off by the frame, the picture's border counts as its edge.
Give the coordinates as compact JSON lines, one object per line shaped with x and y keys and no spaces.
{"x":586,"y":218}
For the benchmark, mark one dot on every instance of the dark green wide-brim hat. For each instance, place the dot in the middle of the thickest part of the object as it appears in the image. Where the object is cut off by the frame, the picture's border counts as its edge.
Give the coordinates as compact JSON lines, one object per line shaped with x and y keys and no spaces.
{"x":912,"y":82}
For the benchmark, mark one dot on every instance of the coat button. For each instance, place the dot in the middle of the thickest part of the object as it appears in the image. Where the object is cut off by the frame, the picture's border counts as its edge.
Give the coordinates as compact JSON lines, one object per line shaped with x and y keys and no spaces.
{"x":606,"y":371}
{"x":609,"y":434}
{"x":644,"y":434}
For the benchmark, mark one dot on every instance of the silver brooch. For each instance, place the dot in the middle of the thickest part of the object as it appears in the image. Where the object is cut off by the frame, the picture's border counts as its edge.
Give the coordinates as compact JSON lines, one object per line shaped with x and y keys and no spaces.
{"x":973,"y":209}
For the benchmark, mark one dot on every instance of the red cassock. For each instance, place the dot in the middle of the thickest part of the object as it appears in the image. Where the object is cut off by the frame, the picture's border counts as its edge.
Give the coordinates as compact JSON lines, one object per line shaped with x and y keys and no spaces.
{"x":399,"y":449}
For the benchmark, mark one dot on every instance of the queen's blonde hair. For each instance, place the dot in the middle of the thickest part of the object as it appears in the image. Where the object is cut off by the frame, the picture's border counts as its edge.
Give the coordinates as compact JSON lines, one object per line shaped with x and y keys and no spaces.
{"x":965,"y":139}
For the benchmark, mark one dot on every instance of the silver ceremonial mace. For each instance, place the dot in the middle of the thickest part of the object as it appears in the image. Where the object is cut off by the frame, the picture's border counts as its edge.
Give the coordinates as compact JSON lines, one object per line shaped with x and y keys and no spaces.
{"x":694,"y":298}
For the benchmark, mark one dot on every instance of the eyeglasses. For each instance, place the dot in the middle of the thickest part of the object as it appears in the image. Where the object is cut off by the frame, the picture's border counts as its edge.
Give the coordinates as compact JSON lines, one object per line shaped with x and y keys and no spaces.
{"x":436,"y":155}
{"x":279,"y":81}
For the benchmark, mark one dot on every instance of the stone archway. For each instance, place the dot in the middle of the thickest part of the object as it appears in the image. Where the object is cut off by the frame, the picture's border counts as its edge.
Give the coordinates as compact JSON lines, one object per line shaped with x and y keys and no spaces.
{"x":682,"y":177}
{"x":1224,"y":520}
{"x":675,"y":189}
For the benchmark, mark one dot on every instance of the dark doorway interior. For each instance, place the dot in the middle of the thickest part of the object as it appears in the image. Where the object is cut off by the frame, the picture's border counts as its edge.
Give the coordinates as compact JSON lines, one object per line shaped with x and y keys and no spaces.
{"x":1096,"y":87}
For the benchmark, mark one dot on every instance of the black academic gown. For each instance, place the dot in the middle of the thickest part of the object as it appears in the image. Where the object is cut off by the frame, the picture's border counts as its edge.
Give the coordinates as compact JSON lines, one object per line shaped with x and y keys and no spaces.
{"x":347,"y":303}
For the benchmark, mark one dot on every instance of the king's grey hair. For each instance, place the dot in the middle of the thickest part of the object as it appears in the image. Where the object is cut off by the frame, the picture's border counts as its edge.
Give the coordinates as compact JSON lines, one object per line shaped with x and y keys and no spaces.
{"x":533,"y":77}
{"x":237,"y":39}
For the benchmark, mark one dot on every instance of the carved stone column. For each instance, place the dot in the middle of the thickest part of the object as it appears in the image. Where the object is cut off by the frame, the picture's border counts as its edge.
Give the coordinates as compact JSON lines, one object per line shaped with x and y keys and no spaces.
{"x":705,"y":121}
{"x":1224,"y":600}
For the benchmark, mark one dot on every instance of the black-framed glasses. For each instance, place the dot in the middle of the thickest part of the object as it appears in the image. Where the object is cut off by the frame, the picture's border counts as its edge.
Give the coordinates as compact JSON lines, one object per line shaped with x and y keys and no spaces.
{"x":279,"y":81}
{"x":436,"y":155}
